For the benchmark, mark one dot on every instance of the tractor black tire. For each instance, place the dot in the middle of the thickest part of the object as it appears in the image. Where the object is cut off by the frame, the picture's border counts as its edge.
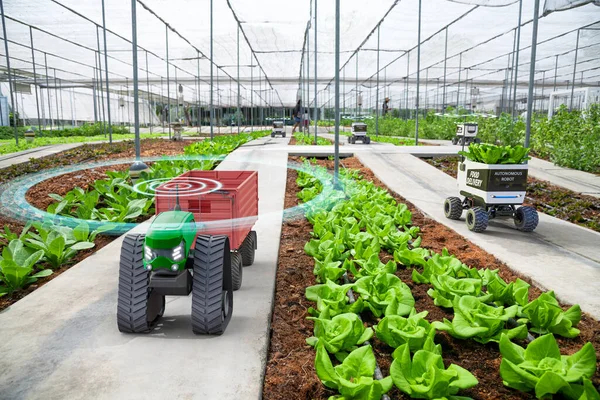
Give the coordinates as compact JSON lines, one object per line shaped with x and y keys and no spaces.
{"x":248,"y":249}
{"x":453,"y":208}
{"x":477,"y":219}
{"x":349,"y":139}
{"x":236,"y":270}
{"x":272,"y":135}
{"x":212,"y":289}
{"x":283,"y":135}
{"x":454,"y":140}
{"x":367,"y":140}
{"x":526,"y":218}
{"x":138,"y":307}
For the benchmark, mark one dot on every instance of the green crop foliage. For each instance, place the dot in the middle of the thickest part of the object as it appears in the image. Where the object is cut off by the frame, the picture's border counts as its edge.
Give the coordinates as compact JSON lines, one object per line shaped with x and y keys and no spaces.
{"x":385,"y":294}
{"x":413,"y":330}
{"x":541,"y":368}
{"x":332,"y":299}
{"x":546,"y":316}
{"x":492,"y":154}
{"x":341,"y":333}
{"x":425,"y":377}
{"x":17,"y":267}
{"x":353,"y":378}
{"x":303,"y":139}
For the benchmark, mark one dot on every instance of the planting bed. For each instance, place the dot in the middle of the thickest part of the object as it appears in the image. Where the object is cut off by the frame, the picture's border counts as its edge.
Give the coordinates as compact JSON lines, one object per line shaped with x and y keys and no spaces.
{"x":302,"y":139}
{"x":290,"y":372}
{"x":545,"y":197}
{"x":112,"y":202}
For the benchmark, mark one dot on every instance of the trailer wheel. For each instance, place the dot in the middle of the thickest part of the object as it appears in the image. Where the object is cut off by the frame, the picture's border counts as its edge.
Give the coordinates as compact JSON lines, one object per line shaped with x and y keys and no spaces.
{"x":138,"y":308}
{"x":248,"y":249}
{"x":477,"y":219}
{"x":212,"y":291}
{"x":453,"y":208}
{"x":526,"y":218}
{"x":236,"y":270}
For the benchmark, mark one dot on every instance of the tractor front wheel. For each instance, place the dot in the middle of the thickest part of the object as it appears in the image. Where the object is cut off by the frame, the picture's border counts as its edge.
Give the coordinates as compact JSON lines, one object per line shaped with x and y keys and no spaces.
{"x":139,"y":308}
{"x":212,"y":290}
{"x":477,"y":219}
{"x":526,"y":218}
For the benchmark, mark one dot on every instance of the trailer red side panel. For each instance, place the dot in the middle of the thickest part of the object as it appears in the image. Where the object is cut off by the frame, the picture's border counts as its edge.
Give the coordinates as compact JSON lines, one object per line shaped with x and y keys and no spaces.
{"x":231,"y":208}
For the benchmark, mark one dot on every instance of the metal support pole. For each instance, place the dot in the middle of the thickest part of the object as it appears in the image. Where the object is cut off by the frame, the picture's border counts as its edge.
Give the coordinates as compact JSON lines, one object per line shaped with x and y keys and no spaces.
{"x":511,"y":67}
{"x":56,"y":100}
{"x":574,"y":70}
{"x":101,"y":87}
{"x":168,"y":83}
{"x":47,"y":92}
{"x":555,"y":73}
{"x":377,"y":90}
{"x":128,"y":112}
{"x":445,"y":62}
{"x":307,"y":104}
{"x":427,"y":89}
{"x":458,"y":87}
{"x":176,"y":97}
{"x":35,"y":85}
{"x":136,"y":104}
{"x":106,"y":75}
{"x":10,"y":85}
{"x":198,"y":117}
{"x":238,"y":80}
{"x":93,"y":96}
{"x":337,"y":94}
{"x":532,"y":72}
{"x":514,"y":96}
{"x":418,"y":78}
{"x":212,"y":105}
{"x":407,"y":79}
{"x":316,"y":115}
{"x":252,"y":92}
{"x":148,"y":89}
{"x":357,"y":106}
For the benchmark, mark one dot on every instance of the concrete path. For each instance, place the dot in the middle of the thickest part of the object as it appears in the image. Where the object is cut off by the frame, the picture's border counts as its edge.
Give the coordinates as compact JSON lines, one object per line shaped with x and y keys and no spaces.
{"x":558,"y":255}
{"x":62,"y":342}
{"x":23,"y":156}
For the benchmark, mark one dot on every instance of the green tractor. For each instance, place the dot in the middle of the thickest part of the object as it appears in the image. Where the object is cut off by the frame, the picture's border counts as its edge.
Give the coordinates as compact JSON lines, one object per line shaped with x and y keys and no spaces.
{"x":171,"y":259}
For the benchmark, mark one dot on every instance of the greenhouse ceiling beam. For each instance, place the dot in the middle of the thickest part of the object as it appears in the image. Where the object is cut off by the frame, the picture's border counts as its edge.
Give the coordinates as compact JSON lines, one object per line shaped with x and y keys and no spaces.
{"x":124,"y":38}
{"x":253,"y":52}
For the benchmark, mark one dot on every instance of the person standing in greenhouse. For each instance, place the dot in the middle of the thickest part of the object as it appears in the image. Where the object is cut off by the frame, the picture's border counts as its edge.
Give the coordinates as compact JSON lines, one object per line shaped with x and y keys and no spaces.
{"x":386,"y":107}
{"x":296,"y":114}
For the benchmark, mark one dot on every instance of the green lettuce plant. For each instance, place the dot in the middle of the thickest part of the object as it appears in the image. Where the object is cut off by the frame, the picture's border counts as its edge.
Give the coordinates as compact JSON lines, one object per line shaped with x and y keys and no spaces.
{"x":353,"y":378}
{"x":332,"y":298}
{"x":340,"y":333}
{"x":385,"y":294}
{"x":396,"y":331}
{"x":425,"y":377}
{"x":492,"y":154}
{"x":372,"y":266}
{"x":329,"y":269}
{"x":416,"y":256}
{"x":443,"y":264}
{"x":545,"y":315}
{"x":327,"y":246}
{"x":503,"y":293}
{"x":483,"y":323}
{"x":58,"y":243}
{"x":446,"y":288}
{"x":541,"y":368}
{"x":17,"y":267}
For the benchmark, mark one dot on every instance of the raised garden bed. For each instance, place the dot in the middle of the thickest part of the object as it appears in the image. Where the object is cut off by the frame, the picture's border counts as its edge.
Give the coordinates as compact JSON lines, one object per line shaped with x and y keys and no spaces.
{"x":290,"y":372}
{"x":545,"y":197}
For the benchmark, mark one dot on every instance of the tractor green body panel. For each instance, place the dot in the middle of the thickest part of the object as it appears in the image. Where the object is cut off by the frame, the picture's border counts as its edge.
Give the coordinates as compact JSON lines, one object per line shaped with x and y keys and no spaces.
{"x":168,"y":230}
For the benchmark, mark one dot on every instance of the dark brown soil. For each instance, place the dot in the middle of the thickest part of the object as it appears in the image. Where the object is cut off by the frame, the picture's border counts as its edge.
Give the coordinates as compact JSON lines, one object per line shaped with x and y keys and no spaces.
{"x":38,"y":195}
{"x":290,"y":370}
{"x":547,"y":198}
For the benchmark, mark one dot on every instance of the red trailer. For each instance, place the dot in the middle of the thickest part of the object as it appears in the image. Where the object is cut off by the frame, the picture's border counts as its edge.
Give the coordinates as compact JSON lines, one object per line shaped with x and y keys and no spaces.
{"x":226,"y":200}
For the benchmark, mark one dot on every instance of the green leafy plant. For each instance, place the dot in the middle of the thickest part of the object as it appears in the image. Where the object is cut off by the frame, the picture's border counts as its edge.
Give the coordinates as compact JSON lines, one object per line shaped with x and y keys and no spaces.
{"x":372,"y":266}
{"x":58,"y":243}
{"x":446,"y":289}
{"x":492,"y":154}
{"x":425,"y":377}
{"x":503,"y":293}
{"x":332,"y":298}
{"x":353,"y":378}
{"x":385,"y":294}
{"x":483,"y":323}
{"x":17,"y":267}
{"x":545,"y":315}
{"x":443,"y":264}
{"x":340,"y":333}
{"x":541,"y":367}
{"x":396,"y":331}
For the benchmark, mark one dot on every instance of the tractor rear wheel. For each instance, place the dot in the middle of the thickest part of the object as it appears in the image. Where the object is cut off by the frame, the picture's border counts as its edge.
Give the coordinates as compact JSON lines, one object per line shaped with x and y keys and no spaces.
{"x":138,"y":308}
{"x":453,"y":208}
{"x":526,"y":218}
{"x":212,"y":290}
{"x":236,"y":270}
{"x":248,"y":249}
{"x":477,"y":219}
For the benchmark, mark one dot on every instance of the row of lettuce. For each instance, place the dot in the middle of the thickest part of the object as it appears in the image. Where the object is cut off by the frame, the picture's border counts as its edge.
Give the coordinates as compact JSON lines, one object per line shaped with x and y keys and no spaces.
{"x":44,"y":247}
{"x":95,"y":129}
{"x":350,"y":228}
